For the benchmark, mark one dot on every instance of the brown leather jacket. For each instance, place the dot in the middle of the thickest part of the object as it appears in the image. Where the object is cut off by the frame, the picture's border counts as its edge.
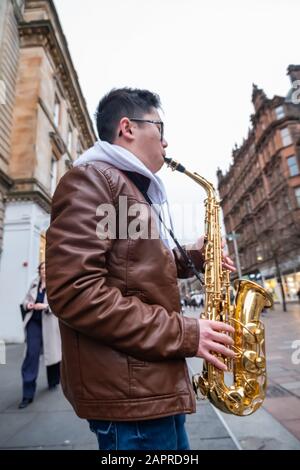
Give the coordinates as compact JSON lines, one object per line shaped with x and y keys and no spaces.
{"x":124,"y":342}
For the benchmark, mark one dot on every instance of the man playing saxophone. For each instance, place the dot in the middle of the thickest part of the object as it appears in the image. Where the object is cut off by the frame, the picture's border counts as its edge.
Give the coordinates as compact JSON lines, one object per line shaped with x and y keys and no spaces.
{"x":124,"y":340}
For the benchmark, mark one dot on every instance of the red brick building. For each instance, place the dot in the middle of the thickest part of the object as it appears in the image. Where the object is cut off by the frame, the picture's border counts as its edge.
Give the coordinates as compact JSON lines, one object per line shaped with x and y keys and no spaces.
{"x":260,"y":193}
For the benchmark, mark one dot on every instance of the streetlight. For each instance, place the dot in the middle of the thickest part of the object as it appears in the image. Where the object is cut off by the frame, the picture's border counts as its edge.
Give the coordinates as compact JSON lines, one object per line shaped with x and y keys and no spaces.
{"x":279,"y":279}
{"x":260,"y":258}
{"x":233,"y":236}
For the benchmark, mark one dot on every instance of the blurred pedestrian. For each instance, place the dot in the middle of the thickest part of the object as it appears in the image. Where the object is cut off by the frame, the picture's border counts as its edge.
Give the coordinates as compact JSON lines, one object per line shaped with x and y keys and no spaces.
{"x":42,"y":335}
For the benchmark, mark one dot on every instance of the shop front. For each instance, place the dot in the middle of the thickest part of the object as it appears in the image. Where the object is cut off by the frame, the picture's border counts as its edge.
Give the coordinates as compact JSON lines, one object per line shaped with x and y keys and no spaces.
{"x":291,"y":286}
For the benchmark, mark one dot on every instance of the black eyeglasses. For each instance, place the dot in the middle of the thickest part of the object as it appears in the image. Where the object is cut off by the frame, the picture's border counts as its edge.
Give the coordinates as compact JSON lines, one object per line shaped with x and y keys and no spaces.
{"x":160,"y":123}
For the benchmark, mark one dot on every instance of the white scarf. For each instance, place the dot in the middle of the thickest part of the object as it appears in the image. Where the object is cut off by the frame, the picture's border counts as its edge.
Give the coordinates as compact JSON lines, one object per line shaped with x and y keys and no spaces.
{"x":124,"y":160}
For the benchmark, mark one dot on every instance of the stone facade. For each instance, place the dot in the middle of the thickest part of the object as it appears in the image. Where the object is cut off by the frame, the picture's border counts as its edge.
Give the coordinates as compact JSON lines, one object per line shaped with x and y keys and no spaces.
{"x":10,"y":14}
{"x":260,"y":193}
{"x":49,"y":126}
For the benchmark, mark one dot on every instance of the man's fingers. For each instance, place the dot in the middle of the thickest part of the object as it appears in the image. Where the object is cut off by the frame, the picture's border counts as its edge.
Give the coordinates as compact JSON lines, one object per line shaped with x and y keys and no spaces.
{"x":230,"y":267}
{"x":226,"y":259}
{"x":228,"y":263}
{"x":222,"y":338}
{"x":215,"y":361}
{"x":220,"y":348}
{"x":221,"y":326}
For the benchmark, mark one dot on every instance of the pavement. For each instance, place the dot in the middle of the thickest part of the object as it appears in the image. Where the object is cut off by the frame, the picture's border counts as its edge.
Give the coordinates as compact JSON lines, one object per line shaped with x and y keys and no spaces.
{"x":283,"y":353}
{"x":276,"y":425}
{"x":50,"y":422}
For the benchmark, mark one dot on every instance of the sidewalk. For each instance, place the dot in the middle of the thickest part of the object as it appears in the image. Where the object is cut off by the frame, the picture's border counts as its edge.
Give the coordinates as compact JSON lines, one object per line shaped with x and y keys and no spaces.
{"x":277,"y":424}
{"x":283,"y":355}
{"x":50,"y":423}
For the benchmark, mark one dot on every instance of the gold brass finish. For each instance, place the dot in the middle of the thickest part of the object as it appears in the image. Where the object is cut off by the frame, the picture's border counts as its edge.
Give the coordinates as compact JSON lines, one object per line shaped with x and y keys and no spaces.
{"x":247,"y":392}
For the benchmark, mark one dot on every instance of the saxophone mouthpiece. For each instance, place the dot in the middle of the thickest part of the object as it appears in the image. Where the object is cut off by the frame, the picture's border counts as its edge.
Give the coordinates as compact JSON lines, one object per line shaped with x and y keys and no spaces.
{"x":174,"y":165}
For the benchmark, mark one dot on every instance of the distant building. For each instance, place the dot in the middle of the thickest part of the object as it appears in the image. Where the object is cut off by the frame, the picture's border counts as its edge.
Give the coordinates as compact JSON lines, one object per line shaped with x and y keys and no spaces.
{"x":260,"y":193}
{"x":45,"y":127}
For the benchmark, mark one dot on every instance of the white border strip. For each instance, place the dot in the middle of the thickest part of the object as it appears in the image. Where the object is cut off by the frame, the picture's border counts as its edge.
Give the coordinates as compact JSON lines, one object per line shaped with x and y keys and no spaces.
{"x":233,"y":437}
{"x":231,"y":434}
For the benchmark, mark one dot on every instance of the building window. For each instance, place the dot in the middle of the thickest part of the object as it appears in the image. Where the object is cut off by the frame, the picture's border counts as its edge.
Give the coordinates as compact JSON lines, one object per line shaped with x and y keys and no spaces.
{"x":53,"y":175}
{"x":265,"y":154}
{"x":285,"y":137}
{"x":279,"y":112}
{"x":287,"y":203}
{"x":248,"y":205}
{"x":297,"y":194}
{"x":293,"y":165}
{"x":78,"y":149}
{"x":70,"y":140}
{"x":56,"y":115}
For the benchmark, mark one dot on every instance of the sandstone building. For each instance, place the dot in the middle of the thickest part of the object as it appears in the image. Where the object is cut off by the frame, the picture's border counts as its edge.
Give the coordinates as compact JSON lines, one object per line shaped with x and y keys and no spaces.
{"x":260,"y":193}
{"x":44,"y":126}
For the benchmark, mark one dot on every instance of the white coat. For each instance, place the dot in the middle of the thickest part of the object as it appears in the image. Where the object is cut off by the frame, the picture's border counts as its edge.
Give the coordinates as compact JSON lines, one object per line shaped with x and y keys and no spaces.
{"x":50,"y":328}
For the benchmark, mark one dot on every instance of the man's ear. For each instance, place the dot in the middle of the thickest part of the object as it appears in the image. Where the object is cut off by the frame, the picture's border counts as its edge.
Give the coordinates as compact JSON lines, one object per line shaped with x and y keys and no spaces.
{"x":125,"y":129}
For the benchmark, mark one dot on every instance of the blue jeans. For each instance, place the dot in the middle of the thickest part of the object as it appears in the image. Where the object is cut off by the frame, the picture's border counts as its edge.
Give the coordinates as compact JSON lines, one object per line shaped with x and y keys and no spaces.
{"x":30,"y":367}
{"x":156,"y":434}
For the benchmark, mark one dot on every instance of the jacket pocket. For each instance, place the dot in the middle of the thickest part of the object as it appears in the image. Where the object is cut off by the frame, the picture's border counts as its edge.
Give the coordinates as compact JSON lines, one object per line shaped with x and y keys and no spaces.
{"x":136,"y":293}
{"x":99,"y":382}
{"x":133,"y":361}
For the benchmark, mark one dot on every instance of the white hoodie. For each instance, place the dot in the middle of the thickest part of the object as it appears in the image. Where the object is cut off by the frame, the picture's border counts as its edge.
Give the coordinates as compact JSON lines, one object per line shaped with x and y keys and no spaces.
{"x":124,"y":160}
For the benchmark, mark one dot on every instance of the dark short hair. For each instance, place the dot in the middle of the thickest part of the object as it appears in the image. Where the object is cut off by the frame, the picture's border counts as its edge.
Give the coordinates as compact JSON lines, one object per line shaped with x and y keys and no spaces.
{"x":40,"y":265}
{"x":121,"y":102}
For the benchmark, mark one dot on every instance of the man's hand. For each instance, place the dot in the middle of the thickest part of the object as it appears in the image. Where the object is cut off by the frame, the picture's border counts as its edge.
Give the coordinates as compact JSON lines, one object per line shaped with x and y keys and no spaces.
{"x":227,"y":262}
{"x":214,"y":340}
{"x":30,"y":305}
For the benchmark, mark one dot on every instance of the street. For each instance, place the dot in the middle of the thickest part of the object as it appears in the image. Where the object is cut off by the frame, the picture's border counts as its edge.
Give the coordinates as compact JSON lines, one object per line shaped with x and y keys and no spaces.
{"x":50,"y":423}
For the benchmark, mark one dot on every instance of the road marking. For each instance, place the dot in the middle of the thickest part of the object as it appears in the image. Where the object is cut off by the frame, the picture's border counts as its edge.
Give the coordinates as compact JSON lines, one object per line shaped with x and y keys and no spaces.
{"x":230,"y":432}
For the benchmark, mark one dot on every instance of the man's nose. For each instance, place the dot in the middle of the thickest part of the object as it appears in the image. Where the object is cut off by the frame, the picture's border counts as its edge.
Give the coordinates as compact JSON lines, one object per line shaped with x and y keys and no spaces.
{"x":164,"y":143}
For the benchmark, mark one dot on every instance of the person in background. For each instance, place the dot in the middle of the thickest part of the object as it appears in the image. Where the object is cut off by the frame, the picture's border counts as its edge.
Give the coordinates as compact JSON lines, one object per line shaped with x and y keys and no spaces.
{"x":42,"y":335}
{"x":298,"y":293}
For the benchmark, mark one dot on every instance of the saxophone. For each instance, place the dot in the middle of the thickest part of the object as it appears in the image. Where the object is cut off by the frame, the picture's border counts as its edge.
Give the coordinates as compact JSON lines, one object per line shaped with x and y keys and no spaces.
{"x":248,"y":389}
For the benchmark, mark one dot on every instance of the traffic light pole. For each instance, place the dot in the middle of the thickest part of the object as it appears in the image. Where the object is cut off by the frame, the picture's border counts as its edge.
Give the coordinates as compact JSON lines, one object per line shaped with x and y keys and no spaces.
{"x":233,"y":237}
{"x":279,"y":280}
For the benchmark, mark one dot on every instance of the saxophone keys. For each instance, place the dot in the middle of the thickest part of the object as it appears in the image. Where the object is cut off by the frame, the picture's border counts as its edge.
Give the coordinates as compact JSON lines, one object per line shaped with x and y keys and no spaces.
{"x":260,"y":363}
{"x":251,"y":388}
{"x":253,"y":333}
{"x":200,"y":384}
{"x":235,"y":400}
{"x":253,"y":363}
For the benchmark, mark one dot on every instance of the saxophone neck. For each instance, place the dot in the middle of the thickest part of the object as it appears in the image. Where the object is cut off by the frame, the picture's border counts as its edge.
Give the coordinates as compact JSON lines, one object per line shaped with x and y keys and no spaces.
{"x":209,"y":188}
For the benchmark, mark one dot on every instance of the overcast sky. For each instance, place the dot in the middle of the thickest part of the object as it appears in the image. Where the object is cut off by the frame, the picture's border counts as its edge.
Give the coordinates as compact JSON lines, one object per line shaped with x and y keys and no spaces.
{"x":201,"y":57}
